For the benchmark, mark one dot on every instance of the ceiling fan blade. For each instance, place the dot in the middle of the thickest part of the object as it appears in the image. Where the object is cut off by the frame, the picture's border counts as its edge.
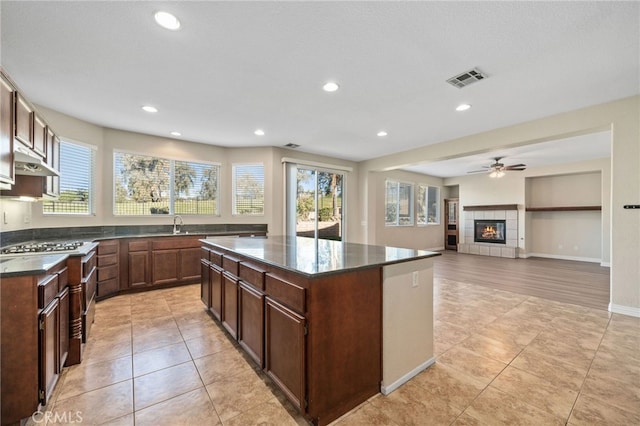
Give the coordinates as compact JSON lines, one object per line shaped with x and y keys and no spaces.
{"x":514,"y":169}
{"x":478,"y":171}
{"x":517,"y":165}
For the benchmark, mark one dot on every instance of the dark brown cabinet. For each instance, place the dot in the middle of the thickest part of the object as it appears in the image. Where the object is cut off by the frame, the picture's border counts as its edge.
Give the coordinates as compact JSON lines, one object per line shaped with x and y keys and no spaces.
{"x":205,"y":283}
{"x":39,"y":136}
{"x":6,"y":131}
{"x":52,"y":183}
{"x":230,"y":303}
{"x":189,"y":261}
{"x":302,"y":330}
{"x":35,"y":334}
{"x":108,"y":269}
{"x":285,"y":350}
{"x":166,"y":266}
{"x":215,"y":279}
{"x":251,"y":322}
{"x":63,"y":350}
{"x":138,"y":262}
{"x":23,"y":121}
{"x":49,"y":341}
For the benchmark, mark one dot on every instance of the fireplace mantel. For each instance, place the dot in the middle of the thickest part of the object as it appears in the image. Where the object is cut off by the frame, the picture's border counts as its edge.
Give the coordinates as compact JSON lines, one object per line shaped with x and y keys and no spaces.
{"x":491,"y":207}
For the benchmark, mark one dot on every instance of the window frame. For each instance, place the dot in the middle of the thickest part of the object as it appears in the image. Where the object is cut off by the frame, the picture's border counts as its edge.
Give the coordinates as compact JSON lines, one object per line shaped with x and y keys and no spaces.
{"x":411,"y":207}
{"x":91,"y":184}
{"x":426,"y":187}
{"x":171,"y":185}
{"x":234,"y":177}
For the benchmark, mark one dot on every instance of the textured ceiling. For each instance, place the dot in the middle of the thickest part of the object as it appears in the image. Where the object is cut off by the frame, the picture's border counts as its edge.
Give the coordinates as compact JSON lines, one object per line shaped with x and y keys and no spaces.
{"x":238,"y":66}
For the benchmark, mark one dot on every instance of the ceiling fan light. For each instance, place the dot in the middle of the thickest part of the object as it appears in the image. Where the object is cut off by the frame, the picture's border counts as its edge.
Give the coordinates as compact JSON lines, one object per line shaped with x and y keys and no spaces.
{"x":493,"y":174}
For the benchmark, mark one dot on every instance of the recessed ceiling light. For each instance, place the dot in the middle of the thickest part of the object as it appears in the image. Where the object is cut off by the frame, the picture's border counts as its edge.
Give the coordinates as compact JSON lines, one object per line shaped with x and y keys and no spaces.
{"x":382,"y":133}
{"x":167,"y":20}
{"x":149,"y":108}
{"x":463,"y":107}
{"x":176,"y":133}
{"x":330,"y":86}
{"x":259,"y":132}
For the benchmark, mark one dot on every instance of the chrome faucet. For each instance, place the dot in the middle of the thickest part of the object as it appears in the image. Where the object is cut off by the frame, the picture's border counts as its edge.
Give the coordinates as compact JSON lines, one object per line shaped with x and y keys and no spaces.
{"x":177,"y":227}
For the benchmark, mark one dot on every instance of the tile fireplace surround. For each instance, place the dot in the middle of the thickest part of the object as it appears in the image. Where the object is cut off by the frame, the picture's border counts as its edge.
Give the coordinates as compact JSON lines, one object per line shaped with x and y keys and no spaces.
{"x":507,"y":212}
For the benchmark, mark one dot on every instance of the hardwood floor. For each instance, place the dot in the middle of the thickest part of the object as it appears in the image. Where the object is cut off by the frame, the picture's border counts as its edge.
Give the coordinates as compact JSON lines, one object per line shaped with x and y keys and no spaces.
{"x":580,"y":283}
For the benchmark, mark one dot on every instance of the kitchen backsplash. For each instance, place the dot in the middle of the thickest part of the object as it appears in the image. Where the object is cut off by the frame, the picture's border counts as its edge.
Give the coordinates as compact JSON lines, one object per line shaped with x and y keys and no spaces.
{"x":8,"y":238}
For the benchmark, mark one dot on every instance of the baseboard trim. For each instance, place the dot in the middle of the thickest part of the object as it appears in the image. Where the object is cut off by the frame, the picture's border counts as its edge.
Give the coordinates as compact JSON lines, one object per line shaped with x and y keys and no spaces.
{"x":624,"y":310}
{"x":435,"y":249}
{"x":560,"y":257}
{"x":387,"y":389}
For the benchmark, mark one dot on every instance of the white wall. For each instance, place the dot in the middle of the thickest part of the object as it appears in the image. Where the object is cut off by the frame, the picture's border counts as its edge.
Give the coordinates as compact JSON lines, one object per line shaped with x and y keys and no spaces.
{"x":424,"y":237}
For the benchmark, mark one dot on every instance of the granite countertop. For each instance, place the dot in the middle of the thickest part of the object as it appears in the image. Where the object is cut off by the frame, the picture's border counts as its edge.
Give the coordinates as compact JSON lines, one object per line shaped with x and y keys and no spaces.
{"x":15,"y":266}
{"x":316,"y":257}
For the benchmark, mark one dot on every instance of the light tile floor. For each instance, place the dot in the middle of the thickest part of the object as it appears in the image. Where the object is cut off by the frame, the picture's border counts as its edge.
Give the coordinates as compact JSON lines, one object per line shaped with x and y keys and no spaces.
{"x":157,"y":358}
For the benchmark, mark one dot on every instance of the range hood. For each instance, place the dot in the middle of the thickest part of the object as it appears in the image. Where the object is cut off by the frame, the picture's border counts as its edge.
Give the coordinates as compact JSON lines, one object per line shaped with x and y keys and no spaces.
{"x":29,"y":163}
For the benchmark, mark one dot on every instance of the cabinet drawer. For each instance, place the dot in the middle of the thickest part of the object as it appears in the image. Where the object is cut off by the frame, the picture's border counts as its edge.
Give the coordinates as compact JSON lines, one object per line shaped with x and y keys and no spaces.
{"x":89,"y":262}
{"x":175,"y":243}
{"x":47,"y":290}
{"x":108,"y":287}
{"x":63,"y":278}
{"x":205,"y":253}
{"x":138,"y":245}
{"x":215,"y":257}
{"x":285,"y":292}
{"x":107,"y":272}
{"x":252,"y":275}
{"x":110,"y":259}
{"x":230,"y":264}
{"x":107,"y":247}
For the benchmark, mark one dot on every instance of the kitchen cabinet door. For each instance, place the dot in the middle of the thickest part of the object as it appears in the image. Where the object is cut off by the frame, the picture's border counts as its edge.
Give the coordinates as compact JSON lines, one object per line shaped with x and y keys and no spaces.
{"x":138,"y":269}
{"x":215,"y":277}
{"x":6,"y":132}
{"x":285,"y":350}
{"x":230,"y":304}
{"x":23,"y":121}
{"x":39,"y":136}
{"x":189,"y":264}
{"x":63,"y":298}
{"x":165,"y":266}
{"x":251,"y":322}
{"x":205,"y":283}
{"x":49,"y":349}
{"x":52,"y":183}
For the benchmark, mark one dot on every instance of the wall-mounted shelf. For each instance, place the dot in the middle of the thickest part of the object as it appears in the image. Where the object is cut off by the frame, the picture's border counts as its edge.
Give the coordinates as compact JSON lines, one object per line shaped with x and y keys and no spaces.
{"x":491,"y":207}
{"x":563,"y":209}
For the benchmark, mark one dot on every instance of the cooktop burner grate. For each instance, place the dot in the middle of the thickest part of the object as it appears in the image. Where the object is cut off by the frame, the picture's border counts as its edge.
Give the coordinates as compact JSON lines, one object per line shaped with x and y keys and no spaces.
{"x":42,"y":247}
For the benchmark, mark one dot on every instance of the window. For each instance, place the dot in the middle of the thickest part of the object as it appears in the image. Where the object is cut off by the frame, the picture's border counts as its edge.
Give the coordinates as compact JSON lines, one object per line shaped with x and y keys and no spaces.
{"x":315,"y":201}
{"x":248,"y":189}
{"x":146,"y":185}
{"x":399,"y":203}
{"x":428,"y":205}
{"x":77,"y":163}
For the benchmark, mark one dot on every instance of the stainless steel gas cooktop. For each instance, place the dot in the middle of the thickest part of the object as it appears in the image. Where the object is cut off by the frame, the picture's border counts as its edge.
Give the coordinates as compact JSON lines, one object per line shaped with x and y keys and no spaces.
{"x":42,"y":248}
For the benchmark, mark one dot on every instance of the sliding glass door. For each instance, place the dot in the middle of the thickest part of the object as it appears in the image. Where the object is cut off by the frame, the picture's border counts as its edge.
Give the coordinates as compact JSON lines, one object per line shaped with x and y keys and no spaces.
{"x":314,"y":202}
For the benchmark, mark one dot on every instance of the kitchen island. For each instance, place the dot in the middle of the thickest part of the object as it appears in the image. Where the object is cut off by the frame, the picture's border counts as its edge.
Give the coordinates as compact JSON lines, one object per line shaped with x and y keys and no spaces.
{"x":331,"y":323}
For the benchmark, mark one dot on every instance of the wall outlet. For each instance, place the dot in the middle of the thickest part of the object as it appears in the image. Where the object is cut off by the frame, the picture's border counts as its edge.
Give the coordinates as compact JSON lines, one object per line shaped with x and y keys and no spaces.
{"x":27,"y":218}
{"x":414,"y":279}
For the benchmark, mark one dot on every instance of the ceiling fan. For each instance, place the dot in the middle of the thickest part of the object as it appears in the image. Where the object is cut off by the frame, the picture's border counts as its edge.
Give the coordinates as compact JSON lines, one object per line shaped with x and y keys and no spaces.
{"x":497,"y":169}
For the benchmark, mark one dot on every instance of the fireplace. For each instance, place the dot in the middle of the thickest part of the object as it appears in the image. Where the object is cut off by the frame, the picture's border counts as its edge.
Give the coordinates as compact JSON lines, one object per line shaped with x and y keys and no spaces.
{"x":490,"y":231}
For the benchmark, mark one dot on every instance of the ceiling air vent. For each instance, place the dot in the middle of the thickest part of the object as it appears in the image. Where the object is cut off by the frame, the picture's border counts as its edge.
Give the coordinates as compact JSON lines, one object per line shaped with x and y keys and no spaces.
{"x":292,"y":145}
{"x":466,"y":78}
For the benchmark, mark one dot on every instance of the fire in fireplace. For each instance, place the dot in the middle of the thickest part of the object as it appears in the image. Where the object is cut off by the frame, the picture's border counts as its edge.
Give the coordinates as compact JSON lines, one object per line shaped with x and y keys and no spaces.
{"x":490,"y":231}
